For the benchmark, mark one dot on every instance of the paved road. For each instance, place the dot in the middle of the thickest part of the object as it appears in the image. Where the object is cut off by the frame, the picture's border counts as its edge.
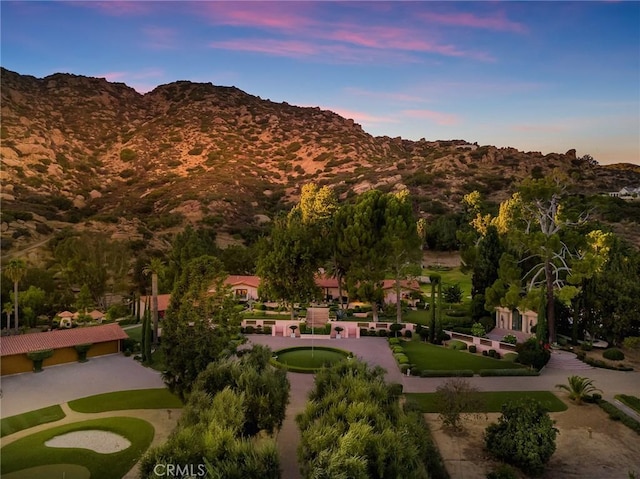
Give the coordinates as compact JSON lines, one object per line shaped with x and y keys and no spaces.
{"x":65,"y":382}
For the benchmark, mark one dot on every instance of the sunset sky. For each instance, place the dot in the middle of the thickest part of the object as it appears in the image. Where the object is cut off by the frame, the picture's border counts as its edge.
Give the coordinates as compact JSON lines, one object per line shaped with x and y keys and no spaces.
{"x":538,"y":76}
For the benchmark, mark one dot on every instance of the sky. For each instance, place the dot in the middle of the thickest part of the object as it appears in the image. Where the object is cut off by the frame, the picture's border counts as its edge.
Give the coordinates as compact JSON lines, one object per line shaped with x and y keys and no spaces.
{"x":536,"y":76}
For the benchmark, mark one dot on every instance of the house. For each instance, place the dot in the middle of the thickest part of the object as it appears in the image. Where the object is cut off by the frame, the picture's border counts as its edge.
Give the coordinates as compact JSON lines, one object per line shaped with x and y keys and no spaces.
{"x":516,"y":321}
{"x":626,"y":193}
{"x":407,"y":289}
{"x":243,"y":287}
{"x":329,"y":287}
{"x":163,"y":304}
{"x":104,"y":339}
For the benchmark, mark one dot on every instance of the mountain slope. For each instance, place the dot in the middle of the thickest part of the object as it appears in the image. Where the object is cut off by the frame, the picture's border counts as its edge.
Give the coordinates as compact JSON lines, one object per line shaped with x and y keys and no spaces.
{"x":93,"y":154}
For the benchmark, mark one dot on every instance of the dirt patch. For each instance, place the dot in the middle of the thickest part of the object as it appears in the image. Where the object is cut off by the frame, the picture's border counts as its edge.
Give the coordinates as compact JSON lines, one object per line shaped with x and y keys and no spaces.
{"x":441,"y":258}
{"x":611,"y":451}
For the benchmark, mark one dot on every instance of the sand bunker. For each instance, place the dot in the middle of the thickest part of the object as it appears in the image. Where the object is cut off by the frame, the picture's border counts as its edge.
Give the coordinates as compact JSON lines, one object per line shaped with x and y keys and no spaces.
{"x":103,"y":442}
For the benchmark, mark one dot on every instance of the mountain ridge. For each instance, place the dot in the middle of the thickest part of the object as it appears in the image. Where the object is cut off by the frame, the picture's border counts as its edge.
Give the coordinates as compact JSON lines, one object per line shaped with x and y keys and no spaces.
{"x":88,"y":153}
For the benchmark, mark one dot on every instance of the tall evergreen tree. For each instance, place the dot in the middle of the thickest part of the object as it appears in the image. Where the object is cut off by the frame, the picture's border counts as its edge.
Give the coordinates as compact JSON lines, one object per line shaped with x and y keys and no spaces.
{"x":15,"y":271}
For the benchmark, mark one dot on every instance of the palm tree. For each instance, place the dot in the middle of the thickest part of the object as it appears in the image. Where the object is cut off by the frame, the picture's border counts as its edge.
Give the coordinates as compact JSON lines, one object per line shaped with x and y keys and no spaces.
{"x":15,"y":271}
{"x":155,"y":268}
{"x":8,"y":309}
{"x":579,"y":388}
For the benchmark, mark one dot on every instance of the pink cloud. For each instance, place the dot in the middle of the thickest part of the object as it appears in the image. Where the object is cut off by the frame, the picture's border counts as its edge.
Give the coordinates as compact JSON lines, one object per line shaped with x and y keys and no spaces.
{"x":440,"y":118}
{"x":288,"y":48}
{"x":272,"y":15}
{"x":118,"y":8}
{"x":499,"y":22}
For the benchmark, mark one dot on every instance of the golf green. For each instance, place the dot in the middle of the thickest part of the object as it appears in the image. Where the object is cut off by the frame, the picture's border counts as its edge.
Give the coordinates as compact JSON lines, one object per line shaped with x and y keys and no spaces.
{"x":307,"y":359}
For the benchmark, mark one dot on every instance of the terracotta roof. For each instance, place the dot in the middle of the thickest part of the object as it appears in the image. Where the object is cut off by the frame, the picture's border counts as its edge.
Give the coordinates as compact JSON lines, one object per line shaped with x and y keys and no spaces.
{"x":60,"y":338}
{"x":404,"y":284}
{"x":237,"y":279}
{"x":163,"y":301}
{"x":326,"y":282}
{"x":95,"y":314}
{"x":66,"y":314}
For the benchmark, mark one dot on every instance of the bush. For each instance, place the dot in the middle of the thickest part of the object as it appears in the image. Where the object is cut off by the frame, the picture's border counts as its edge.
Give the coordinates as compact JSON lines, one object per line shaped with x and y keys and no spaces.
{"x":613,"y":354}
{"x":473,"y":348}
{"x":488,"y":322}
{"x":408,"y":334}
{"x":503,"y":472}
{"x":532,"y":353}
{"x":632,"y":342}
{"x":586,"y":347}
{"x":394,"y":341}
{"x":478,"y":330}
{"x":457,"y":345}
{"x":127,"y":154}
{"x":524,"y":436}
{"x":455,"y":398}
{"x":510,"y":338}
{"x":82,"y":350}
{"x":249,"y":330}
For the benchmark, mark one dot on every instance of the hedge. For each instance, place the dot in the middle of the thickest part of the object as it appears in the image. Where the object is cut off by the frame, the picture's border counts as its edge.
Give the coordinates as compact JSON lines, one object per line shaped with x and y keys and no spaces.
{"x":508,"y":372}
{"x":438,"y":373}
{"x":617,"y":415}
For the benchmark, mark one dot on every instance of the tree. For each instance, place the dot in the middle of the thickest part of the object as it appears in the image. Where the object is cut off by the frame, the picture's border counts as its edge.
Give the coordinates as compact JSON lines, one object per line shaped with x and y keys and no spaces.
{"x":155,"y":268}
{"x":200,"y":323}
{"x":453,"y":293}
{"x":363,"y":247}
{"x":579,"y":388}
{"x":15,"y":271}
{"x":436,"y":281}
{"x":84,"y":300}
{"x":485,"y":268}
{"x":401,"y":234}
{"x":287,"y":264}
{"x":457,"y":400}
{"x":524,"y":436}
{"x":32,"y":302}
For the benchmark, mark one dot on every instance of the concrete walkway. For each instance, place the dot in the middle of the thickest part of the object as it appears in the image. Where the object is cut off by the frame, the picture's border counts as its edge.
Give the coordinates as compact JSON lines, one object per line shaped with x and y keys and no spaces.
{"x":65,"y":382}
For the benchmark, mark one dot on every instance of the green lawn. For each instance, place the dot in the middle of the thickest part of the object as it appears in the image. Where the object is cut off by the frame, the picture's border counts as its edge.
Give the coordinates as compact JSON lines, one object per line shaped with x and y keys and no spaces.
{"x":135,"y":332}
{"x":632,"y":401}
{"x":430,"y":356}
{"x":303,"y":359}
{"x":30,"y":451}
{"x":450,"y":277}
{"x":132,"y":399}
{"x":12,"y":424}
{"x":493,"y":401}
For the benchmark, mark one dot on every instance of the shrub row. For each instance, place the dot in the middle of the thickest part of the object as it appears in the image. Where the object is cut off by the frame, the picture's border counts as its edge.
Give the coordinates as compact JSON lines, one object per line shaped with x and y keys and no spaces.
{"x":254,"y":330}
{"x":617,"y":415}
{"x":492,"y":353}
{"x":438,"y":373}
{"x":508,"y":372}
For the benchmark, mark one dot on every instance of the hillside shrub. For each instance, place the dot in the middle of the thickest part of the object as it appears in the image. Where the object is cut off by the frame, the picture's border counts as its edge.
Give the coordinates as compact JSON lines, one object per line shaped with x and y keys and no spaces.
{"x":613,"y":354}
{"x":632,"y":342}
{"x":524,"y":436}
{"x":127,"y":154}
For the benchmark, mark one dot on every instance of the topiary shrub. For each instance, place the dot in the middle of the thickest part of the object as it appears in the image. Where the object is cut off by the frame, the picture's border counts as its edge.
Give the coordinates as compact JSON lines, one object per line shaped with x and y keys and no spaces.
{"x":524,"y":436}
{"x":478,"y":330}
{"x":38,"y":358}
{"x":473,"y":348}
{"x":408,"y":334}
{"x":249,"y":330}
{"x":613,"y":354}
{"x":82,"y":350}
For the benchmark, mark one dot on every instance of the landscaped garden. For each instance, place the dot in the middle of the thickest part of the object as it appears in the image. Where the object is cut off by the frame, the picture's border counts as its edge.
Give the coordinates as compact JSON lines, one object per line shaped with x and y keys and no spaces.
{"x":425,"y":356}
{"x":31,"y":451}
{"x":309,"y":359}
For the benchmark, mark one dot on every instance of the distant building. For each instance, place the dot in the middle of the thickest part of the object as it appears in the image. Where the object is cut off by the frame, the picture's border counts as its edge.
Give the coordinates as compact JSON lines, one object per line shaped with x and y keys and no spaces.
{"x":627,"y":193}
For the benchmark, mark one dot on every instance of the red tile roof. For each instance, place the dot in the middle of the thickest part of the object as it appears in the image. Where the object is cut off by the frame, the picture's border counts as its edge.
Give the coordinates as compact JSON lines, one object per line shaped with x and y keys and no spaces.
{"x":326,"y":282}
{"x":237,"y":279}
{"x":404,"y":284}
{"x":163,"y":301}
{"x":60,"y":338}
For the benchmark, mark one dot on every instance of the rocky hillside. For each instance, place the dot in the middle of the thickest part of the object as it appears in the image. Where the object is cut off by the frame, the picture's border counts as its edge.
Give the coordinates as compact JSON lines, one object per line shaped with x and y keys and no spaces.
{"x":92,"y":154}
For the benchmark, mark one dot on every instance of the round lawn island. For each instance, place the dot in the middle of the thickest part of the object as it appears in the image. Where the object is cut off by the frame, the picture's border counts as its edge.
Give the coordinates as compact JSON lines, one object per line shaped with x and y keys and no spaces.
{"x":308,"y":359}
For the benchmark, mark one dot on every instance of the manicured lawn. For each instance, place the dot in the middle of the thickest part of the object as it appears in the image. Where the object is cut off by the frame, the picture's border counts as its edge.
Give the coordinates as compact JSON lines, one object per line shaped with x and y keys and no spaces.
{"x":12,"y":424}
{"x":30,"y":451}
{"x":632,"y":401}
{"x":493,"y":400}
{"x":132,"y":399}
{"x":429,"y":356}
{"x":304,"y":358}
{"x":451,"y":277}
{"x":135,"y":332}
